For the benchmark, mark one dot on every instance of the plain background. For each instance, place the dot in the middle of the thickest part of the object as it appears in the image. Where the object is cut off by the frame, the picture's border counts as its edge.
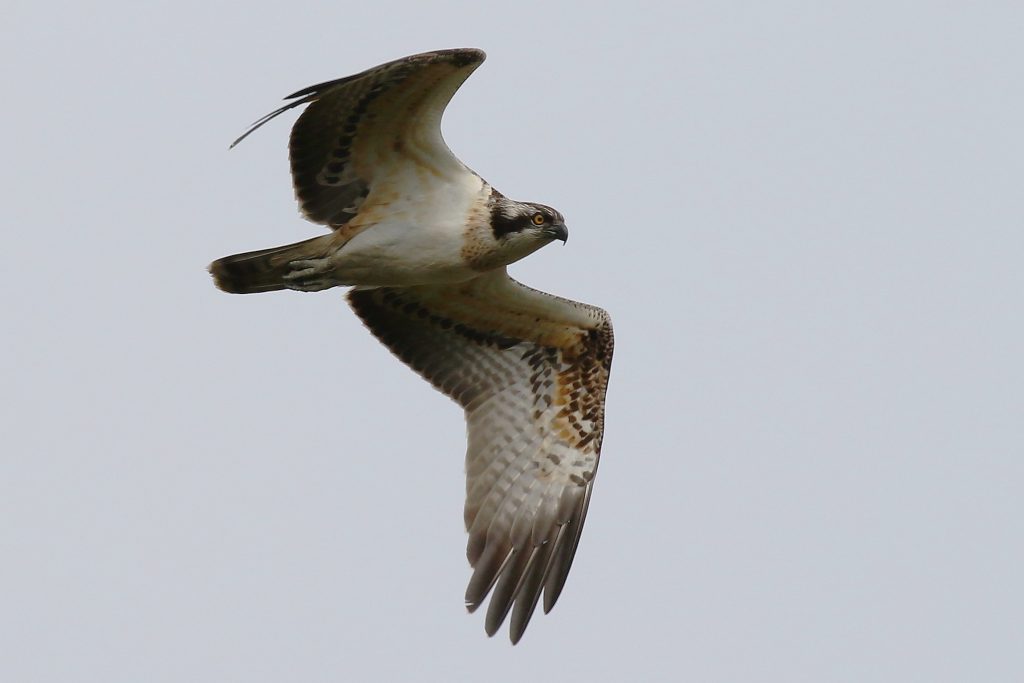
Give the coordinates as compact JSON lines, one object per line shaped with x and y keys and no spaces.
{"x":805,"y":218}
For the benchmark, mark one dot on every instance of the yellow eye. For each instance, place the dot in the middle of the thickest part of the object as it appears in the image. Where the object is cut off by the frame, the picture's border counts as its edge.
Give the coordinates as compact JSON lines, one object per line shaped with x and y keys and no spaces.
{"x":538,"y":219}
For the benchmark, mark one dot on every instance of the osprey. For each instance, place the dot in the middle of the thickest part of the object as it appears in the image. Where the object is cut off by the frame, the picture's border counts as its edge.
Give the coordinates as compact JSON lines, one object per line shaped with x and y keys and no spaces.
{"x":424,"y":243}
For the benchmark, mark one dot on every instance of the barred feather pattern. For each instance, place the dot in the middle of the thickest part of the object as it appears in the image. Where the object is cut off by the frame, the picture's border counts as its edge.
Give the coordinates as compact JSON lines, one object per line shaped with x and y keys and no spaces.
{"x":531,"y":372}
{"x":355,"y":127}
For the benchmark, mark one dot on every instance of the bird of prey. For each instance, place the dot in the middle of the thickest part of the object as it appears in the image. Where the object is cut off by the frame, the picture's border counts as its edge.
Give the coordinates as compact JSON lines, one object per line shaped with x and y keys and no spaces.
{"x":424,"y":243}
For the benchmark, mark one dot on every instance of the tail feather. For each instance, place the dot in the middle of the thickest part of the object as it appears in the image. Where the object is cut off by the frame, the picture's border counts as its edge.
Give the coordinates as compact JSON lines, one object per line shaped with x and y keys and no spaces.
{"x":263,"y":270}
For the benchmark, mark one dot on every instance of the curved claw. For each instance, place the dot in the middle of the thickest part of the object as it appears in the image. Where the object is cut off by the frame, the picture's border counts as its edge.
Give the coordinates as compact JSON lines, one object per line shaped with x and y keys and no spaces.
{"x":310,"y":275}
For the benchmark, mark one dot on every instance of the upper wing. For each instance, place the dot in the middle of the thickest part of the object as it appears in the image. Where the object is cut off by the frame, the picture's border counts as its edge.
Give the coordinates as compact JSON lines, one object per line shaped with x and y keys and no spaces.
{"x":355,"y":126}
{"x":531,"y":370}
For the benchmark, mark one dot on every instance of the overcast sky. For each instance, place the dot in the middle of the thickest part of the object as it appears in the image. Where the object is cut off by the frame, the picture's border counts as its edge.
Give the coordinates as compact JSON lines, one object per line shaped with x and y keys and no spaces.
{"x":806,"y":220}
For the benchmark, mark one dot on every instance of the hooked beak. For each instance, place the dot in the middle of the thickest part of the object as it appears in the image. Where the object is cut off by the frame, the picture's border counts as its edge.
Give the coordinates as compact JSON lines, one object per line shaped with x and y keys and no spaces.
{"x":558,"y":231}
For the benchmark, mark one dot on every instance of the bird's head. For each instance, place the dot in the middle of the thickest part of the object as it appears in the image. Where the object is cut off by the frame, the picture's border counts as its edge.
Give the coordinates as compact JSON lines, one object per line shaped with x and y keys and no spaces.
{"x":521,"y":228}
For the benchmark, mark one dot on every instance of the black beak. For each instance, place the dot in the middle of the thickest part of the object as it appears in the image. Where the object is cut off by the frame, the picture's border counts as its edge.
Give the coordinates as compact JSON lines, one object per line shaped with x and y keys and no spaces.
{"x":558,"y":231}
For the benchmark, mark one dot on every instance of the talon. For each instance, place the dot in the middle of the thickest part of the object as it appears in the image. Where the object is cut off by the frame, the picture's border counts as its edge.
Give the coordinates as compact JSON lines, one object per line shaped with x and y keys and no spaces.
{"x":310,"y":285}
{"x":306,"y":268}
{"x":309,"y":275}
{"x":299,"y":274}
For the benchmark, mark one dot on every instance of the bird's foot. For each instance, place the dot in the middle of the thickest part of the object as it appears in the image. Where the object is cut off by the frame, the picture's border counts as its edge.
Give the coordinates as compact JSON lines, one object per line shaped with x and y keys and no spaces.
{"x":311,"y":275}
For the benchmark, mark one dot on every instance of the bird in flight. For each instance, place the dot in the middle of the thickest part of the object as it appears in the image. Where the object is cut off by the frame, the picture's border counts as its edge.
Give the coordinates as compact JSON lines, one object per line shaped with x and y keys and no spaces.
{"x":423,"y":242}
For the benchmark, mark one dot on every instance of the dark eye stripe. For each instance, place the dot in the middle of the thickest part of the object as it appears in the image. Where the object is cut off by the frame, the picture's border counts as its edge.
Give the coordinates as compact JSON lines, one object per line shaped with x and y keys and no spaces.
{"x":502,"y":225}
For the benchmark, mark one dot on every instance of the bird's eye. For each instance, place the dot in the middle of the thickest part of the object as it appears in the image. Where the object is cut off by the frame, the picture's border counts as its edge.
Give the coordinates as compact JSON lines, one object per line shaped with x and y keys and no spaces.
{"x":538,"y":219}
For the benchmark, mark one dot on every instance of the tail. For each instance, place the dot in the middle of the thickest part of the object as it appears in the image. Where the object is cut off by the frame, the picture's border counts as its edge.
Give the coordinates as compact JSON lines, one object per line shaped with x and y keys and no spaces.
{"x":263,"y":270}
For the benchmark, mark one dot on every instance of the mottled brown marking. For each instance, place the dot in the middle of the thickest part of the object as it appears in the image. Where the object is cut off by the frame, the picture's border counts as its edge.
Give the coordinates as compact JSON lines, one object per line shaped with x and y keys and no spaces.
{"x":475,"y":347}
{"x":478,"y":245}
{"x":347,"y":117}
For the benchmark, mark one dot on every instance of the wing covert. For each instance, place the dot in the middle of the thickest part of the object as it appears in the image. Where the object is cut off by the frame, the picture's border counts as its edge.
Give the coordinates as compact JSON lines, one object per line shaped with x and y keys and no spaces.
{"x":531,"y":372}
{"x":354,"y":126}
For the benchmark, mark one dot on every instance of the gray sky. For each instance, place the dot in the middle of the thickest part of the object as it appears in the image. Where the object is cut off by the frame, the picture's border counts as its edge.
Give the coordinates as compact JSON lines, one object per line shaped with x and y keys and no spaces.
{"x":807,"y":225}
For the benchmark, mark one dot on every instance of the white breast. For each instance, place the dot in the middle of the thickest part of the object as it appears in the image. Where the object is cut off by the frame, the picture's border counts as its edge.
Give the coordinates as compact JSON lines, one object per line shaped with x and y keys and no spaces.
{"x":416,"y":225}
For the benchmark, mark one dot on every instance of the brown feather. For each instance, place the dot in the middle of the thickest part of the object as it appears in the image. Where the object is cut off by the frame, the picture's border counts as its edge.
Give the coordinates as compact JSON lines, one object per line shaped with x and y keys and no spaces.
{"x":531,"y":371}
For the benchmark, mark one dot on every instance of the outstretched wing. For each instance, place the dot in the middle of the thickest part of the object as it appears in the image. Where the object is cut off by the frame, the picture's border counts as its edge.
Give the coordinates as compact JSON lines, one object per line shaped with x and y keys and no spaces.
{"x":356,"y":126}
{"x":530,"y":370}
